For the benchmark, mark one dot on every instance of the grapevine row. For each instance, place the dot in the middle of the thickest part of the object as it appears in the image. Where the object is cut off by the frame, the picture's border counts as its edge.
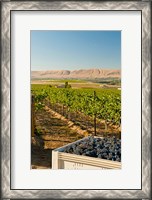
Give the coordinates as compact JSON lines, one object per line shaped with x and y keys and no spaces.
{"x":102,"y":104}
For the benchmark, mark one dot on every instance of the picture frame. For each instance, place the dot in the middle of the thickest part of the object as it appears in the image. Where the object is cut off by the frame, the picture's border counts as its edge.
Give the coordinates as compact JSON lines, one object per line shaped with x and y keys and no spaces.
{"x":7,"y":7}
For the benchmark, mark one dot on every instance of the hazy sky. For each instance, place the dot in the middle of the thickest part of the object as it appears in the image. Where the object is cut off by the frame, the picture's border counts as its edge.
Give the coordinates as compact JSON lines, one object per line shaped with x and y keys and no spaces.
{"x":75,"y":50}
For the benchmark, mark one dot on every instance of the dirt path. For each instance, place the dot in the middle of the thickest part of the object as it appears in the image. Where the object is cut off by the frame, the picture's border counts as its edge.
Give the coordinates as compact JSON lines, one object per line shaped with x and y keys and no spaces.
{"x":54,"y":131}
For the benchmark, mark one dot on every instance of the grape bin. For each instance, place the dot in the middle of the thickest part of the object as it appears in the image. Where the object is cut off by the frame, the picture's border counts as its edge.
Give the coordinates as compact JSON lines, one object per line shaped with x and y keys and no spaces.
{"x":63,"y":160}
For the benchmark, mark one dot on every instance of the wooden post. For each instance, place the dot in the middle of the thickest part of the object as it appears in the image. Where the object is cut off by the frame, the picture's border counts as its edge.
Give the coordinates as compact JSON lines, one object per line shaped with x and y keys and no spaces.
{"x":32,"y":117}
{"x":95,"y":131}
{"x":95,"y":124}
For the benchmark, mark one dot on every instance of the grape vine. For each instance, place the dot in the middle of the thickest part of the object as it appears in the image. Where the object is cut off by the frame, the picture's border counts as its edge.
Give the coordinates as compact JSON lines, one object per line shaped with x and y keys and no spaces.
{"x":104,"y":104}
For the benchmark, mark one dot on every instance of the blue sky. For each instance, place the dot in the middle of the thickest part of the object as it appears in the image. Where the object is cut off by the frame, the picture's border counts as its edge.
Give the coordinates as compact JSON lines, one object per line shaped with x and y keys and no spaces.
{"x":71,"y":50}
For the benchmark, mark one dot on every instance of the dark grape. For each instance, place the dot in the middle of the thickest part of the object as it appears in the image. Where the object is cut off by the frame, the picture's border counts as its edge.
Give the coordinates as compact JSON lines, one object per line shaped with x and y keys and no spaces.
{"x":104,"y":148}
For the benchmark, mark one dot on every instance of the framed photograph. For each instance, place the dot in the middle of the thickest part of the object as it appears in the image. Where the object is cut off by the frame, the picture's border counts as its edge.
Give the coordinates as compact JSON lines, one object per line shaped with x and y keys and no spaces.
{"x":76,"y":83}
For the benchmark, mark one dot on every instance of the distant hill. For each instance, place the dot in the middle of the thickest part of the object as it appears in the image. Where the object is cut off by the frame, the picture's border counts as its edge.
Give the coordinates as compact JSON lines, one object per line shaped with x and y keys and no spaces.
{"x":77,"y":74}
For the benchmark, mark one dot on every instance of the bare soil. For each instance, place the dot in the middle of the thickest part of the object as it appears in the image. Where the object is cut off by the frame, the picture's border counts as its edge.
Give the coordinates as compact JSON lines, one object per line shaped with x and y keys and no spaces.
{"x":53,"y":131}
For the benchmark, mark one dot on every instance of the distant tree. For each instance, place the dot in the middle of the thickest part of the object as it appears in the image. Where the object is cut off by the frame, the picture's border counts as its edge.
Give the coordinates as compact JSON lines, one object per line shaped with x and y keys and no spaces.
{"x":67,"y":85}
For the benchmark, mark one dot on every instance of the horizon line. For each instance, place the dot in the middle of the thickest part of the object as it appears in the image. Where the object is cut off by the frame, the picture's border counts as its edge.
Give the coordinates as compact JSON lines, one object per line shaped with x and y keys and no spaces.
{"x":75,"y":69}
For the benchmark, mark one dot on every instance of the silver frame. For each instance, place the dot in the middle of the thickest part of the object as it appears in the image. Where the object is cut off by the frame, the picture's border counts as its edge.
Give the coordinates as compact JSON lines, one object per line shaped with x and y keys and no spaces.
{"x":145,"y":8}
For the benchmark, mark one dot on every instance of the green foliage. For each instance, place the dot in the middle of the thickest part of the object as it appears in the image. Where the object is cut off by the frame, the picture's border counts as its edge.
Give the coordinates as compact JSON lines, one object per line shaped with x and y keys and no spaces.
{"x":38,"y":132}
{"x":39,"y":95}
{"x":104,"y":103}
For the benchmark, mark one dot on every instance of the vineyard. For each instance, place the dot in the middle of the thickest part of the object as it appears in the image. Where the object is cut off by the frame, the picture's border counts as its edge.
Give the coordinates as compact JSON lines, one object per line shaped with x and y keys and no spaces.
{"x":94,"y":105}
{"x":64,"y":115}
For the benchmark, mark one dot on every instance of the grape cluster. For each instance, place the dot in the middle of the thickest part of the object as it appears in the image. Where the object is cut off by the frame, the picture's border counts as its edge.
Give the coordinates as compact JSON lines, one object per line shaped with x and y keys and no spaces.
{"x":106,"y":148}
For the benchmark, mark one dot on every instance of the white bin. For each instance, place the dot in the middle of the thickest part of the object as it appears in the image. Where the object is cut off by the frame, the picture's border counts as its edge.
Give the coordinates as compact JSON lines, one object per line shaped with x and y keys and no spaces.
{"x":62,"y":160}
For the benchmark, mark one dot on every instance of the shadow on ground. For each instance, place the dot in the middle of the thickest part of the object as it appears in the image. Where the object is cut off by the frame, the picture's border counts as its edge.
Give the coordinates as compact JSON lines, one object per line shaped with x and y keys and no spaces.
{"x":41,"y":158}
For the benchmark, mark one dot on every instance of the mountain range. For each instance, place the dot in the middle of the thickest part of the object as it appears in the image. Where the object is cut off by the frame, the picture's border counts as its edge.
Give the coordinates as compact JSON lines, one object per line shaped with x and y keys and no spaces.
{"x":77,"y":74}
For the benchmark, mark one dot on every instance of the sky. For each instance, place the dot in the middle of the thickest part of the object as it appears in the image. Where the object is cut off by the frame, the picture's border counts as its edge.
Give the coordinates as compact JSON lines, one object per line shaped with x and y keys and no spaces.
{"x":72,"y":50}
